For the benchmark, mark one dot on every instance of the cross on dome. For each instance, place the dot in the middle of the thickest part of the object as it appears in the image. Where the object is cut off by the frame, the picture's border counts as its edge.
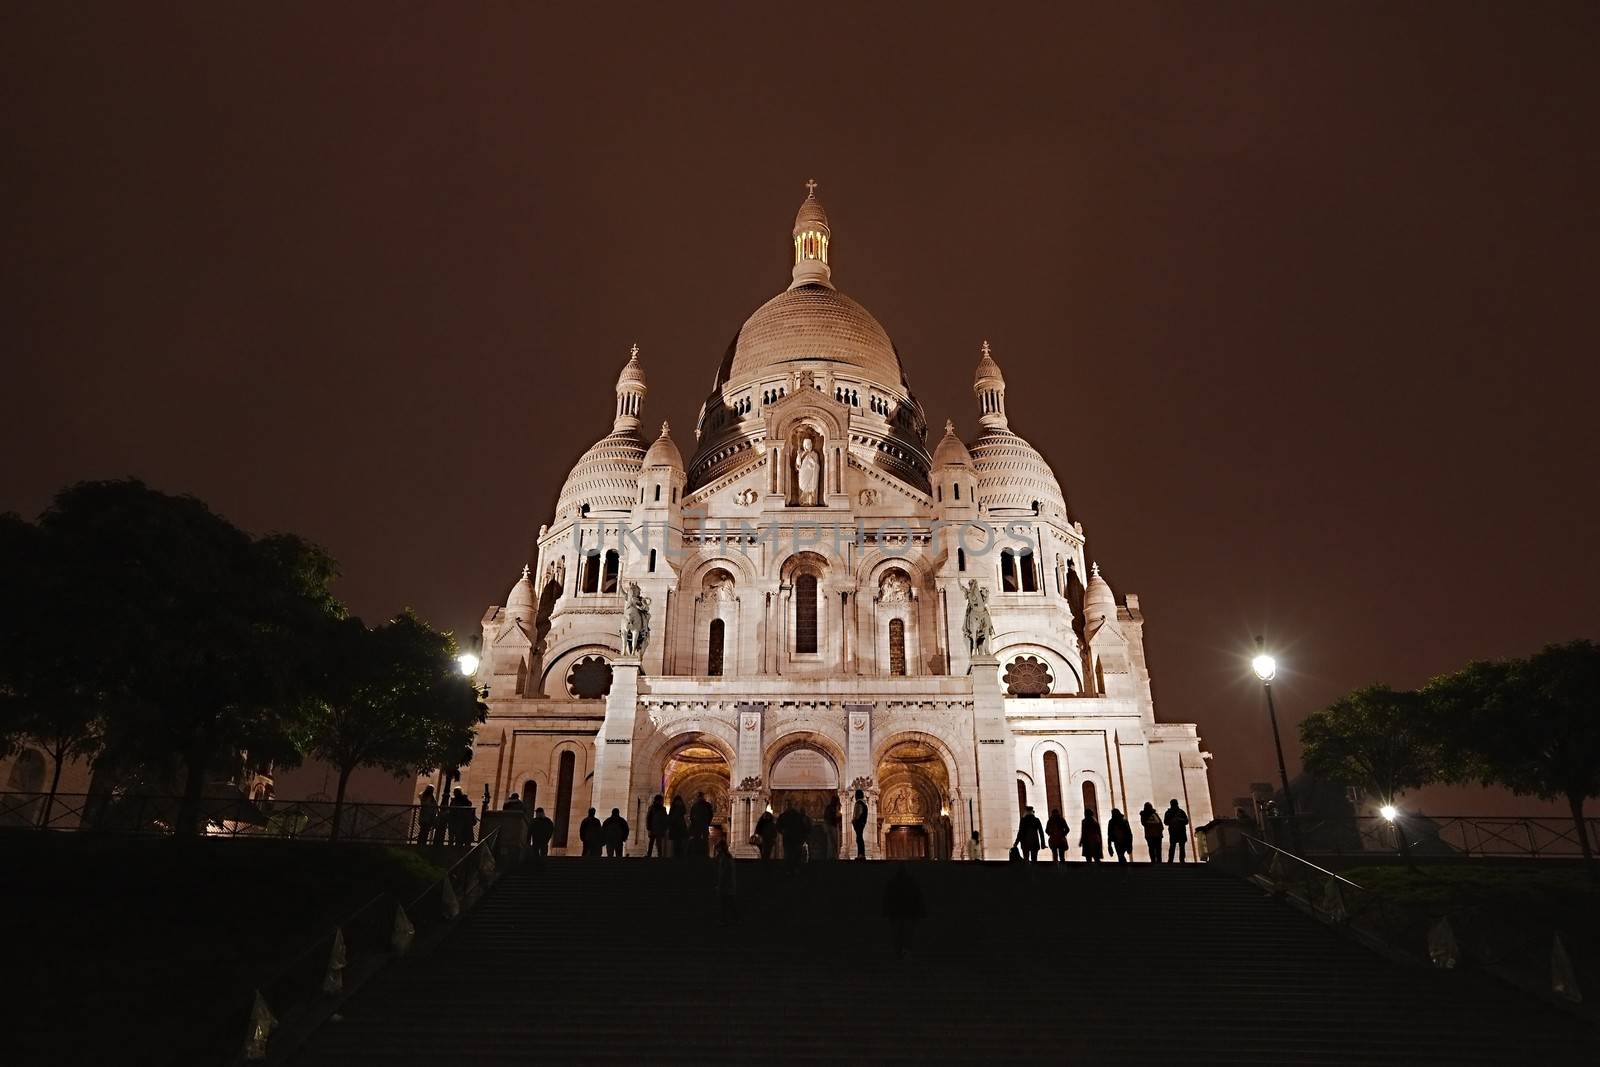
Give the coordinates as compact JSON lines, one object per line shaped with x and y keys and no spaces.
{"x":985,"y":348}
{"x":811,"y":187}
{"x":633,"y":353}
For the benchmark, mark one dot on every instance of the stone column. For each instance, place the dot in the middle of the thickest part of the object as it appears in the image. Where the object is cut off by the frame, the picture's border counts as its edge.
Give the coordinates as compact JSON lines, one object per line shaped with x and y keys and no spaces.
{"x":997,"y":773}
{"x":613,"y":756}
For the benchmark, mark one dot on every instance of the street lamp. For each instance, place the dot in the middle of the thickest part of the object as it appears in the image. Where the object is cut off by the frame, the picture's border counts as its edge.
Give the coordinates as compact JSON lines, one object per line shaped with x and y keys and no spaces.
{"x":1389,"y":812}
{"x":1266,"y":669}
{"x":468,"y":664}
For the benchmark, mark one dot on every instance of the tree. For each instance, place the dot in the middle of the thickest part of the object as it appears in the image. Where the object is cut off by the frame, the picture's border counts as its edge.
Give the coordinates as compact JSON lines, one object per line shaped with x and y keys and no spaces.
{"x":1376,"y":739}
{"x":202,"y":635}
{"x":45,"y":697}
{"x":1531,"y":725}
{"x":390,"y":697}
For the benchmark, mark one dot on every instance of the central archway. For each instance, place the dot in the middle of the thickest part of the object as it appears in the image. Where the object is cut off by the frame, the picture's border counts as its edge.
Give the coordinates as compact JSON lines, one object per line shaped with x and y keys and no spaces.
{"x":804,"y":772}
{"x":913,"y":796}
{"x":696,"y":766}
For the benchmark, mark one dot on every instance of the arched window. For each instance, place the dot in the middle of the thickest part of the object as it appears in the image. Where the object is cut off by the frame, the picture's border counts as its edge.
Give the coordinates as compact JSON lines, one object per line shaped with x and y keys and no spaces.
{"x":608,"y":583}
{"x":961,"y":559}
{"x":658,"y":490}
{"x":1029,"y":573}
{"x":1088,"y":799}
{"x":938,"y":492}
{"x":674,"y":494}
{"x":591,"y":572}
{"x":563,"y":799}
{"x":1052,"y":781}
{"x":652,"y":561}
{"x":530,"y":794}
{"x":805,"y":613}
{"x":1099,"y":678}
{"x":956,"y":486}
{"x":897,"y":646}
{"x":1022,"y":795}
{"x":714,"y":648}
{"x":1008,"y":571}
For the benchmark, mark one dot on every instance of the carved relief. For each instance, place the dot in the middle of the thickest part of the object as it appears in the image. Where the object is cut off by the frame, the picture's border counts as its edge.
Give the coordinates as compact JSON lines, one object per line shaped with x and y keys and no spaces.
{"x":895,"y":588}
{"x":745,"y":497}
{"x":868,"y":497}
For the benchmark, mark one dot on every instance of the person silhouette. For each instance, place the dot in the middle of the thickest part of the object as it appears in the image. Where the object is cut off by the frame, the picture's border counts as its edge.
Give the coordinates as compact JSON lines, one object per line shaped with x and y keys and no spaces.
{"x":1089,"y":837}
{"x":1120,"y":835}
{"x":858,"y":823}
{"x":678,"y":827}
{"x":614,"y":831}
{"x":766,"y":834}
{"x":540,"y":831}
{"x":427,"y":816}
{"x":513,"y":803}
{"x":903,"y":907}
{"x":1055,"y":832}
{"x":795,"y":827}
{"x":1177,"y":822}
{"x":1030,"y":835}
{"x":655,"y":825}
{"x":1150,"y":819}
{"x":699,"y":826}
{"x":590,"y":834}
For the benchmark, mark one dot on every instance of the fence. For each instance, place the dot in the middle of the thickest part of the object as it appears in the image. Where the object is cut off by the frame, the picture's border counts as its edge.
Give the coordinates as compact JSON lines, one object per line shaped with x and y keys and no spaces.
{"x":222,"y":817}
{"x":1435,"y":835}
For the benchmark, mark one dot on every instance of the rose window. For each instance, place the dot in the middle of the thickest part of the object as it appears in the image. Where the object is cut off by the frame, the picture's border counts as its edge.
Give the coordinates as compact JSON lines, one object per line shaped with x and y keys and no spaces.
{"x":1027,"y":676}
{"x":589,"y":678}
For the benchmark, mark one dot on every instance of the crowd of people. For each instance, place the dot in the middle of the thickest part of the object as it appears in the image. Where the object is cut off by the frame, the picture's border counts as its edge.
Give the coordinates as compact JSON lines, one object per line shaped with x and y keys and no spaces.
{"x":1173,"y":824}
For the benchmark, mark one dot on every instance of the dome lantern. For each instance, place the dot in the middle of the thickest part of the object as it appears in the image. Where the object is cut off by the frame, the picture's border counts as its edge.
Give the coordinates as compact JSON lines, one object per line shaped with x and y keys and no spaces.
{"x":630,"y":393}
{"x":811,"y":237}
{"x":989,"y":386}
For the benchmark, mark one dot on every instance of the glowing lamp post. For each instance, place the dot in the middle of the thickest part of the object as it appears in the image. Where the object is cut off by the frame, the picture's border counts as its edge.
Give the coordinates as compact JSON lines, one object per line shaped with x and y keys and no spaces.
{"x":468,"y":664}
{"x":1266,"y":669}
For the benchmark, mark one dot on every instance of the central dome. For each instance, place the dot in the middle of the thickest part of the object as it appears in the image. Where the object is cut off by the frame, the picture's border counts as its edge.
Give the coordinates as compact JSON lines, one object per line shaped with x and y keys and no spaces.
{"x":814,"y":323}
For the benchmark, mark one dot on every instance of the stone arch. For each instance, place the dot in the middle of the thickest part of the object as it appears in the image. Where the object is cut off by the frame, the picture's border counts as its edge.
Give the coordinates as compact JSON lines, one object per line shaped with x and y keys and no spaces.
{"x":692,"y":569}
{"x":916,"y":794}
{"x":798,"y":736}
{"x":928,"y":735}
{"x":651,"y":757}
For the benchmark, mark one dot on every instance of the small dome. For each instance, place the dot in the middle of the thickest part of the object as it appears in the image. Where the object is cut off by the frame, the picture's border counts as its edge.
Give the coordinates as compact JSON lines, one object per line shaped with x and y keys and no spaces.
{"x":633,"y":371}
{"x":1012,"y":474}
{"x":520,"y":601}
{"x":951,"y":451}
{"x":810,"y":216}
{"x":664,"y":453}
{"x":988,"y":372}
{"x":815,"y":324}
{"x":607,"y":477}
{"x":1098,"y":601}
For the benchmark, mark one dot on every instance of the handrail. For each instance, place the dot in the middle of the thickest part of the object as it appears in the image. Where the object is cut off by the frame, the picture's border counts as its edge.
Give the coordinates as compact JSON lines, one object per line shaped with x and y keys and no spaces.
{"x":1499,"y":836}
{"x":1304,"y":862}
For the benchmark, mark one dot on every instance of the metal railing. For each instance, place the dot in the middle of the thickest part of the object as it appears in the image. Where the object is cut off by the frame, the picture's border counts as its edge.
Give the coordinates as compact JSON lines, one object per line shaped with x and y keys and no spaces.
{"x":1533,"y":837}
{"x":236,"y":817}
{"x":1329,"y":896}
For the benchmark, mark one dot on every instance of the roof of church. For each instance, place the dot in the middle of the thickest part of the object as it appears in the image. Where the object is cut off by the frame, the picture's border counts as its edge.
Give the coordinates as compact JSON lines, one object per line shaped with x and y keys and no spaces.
{"x":810,"y":216}
{"x":951,"y":450}
{"x":1012,"y":473}
{"x":607,"y":477}
{"x":664,"y":453}
{"x":814,"y":323}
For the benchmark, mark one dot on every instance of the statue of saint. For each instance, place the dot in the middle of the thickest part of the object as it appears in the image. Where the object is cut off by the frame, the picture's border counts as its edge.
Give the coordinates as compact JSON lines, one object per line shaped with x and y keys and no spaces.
{"x":978,"y":627}
{"x":635,"y":620}
{"x":807,"y":466}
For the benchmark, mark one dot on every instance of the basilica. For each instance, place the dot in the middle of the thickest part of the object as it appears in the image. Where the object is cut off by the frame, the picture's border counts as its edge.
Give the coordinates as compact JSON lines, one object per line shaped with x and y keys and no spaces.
{"x":820,"y":601}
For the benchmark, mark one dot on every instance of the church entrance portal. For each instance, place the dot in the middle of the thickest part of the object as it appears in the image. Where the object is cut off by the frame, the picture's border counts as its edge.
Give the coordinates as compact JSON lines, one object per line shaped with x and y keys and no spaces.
{"x":807,"y":779}
{"x":699,"y":768}
{"x":913,"y":792}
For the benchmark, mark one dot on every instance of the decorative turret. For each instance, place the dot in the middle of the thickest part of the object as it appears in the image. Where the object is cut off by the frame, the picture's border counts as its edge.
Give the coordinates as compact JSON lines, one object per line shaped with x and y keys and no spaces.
{"x":1099,"y":603}
{"x":630,"y":393}
{"x":989,"y":386}
{"x":521,"y":601}
{"x":811,"y":237}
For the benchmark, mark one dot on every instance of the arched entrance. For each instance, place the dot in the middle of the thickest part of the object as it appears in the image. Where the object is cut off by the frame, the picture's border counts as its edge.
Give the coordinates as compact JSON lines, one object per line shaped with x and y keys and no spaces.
{"x":696,"y":766}
{"x":913,"y":790}
{"x":808,"y":778}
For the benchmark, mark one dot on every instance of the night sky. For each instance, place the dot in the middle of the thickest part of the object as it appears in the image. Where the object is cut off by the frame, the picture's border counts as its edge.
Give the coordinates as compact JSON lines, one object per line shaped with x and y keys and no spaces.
{"x":1298,"y":300}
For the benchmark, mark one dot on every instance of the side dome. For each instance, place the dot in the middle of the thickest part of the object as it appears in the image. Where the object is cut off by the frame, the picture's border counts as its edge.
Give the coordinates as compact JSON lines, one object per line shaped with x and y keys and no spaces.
{"x":664,"y":453}
{"x":951,"y":451}
{"x":520,"y":601}
{"x":814,"y":323}
{"x":1012,"y":474}
{"x":607,"y":477}
{"x":1098,"y":600}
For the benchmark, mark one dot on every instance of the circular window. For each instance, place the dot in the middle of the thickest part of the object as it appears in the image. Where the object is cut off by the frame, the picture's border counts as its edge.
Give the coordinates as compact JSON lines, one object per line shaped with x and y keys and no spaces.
{"x":589,"y":678}
{"x":1027,"y":676}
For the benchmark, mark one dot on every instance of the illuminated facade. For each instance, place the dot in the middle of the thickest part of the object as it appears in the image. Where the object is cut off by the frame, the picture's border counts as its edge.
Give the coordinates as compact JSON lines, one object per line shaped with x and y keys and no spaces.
{"x":806,"y":576}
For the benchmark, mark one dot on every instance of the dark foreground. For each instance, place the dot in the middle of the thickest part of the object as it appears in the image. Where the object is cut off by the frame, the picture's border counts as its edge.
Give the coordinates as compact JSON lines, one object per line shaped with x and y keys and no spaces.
{"x":624,"y":962}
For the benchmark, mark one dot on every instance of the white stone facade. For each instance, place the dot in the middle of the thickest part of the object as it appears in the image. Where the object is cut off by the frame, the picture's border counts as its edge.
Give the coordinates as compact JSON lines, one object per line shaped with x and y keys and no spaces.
{"x":805,"y":574}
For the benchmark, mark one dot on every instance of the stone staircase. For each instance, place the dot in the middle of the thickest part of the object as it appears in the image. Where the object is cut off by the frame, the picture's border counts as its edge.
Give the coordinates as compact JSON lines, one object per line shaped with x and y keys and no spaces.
{"x":623,"y":961}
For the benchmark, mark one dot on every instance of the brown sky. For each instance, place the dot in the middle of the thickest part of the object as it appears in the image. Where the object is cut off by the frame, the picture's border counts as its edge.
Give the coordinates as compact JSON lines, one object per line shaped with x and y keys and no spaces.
{"x":1298,"y":299}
